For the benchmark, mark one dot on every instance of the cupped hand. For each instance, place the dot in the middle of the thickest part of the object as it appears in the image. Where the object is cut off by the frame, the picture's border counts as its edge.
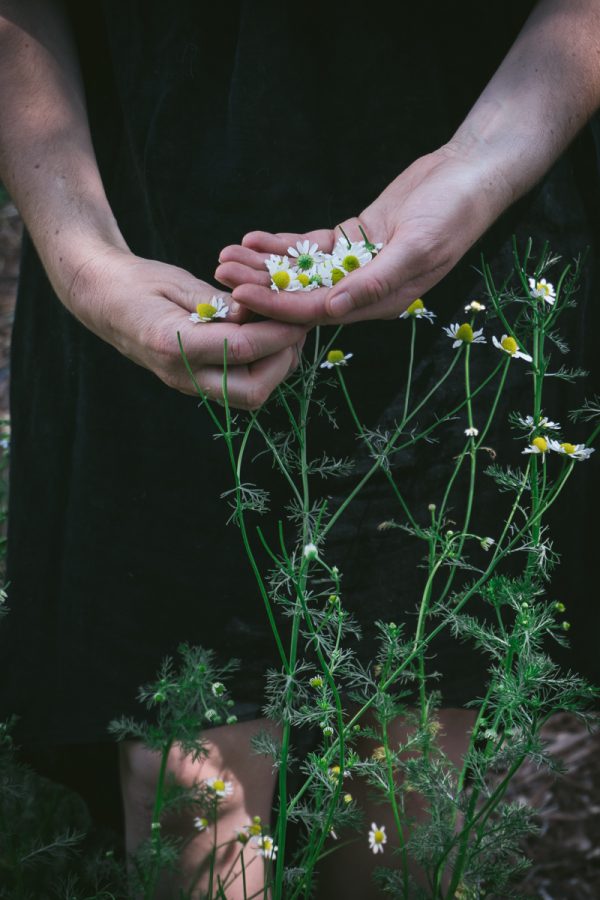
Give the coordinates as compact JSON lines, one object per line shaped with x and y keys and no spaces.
{"x":140,"y":306}
{"x":427,"y":219}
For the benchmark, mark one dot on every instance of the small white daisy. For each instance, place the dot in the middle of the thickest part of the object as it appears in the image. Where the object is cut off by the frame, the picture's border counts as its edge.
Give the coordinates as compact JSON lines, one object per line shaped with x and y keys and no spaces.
{"x":575,"y":451}
{"x":510,"y":346}
{"x":200,"y":823}
{"x":417,"y":310}
{"x":486,"y":543}
{"x":265,"y":846}
{"x":464,"y":334}
{"x":207,"y":312}
{"x":218,"y":689}
{"x":283,"y":277}
{"x":543,"y":290}
{"x":474,"y":306}
{"x":219,"y":787}
{"x":377,"y":838}
{"x":307,"y":255}
{"x":336,"y":358}
{"x":471,"y":432}
{"x":538,"y":445}
{"x":350,"y":257}
{"x":544,"y":423}
{"x":310,"y":551}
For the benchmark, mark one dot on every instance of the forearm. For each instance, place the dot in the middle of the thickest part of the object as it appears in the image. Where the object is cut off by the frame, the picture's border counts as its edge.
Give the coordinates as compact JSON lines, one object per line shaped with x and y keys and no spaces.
{"x":46,"y":156}
{"x":545,"y":90}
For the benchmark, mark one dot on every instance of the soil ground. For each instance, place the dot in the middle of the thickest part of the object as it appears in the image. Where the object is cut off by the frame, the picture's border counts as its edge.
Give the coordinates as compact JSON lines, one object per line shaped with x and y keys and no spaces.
{"x":565,"y":853}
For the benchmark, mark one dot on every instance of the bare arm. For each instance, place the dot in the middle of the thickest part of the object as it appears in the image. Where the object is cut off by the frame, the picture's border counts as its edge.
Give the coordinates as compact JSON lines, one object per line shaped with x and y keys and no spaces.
{"x":546,"y":88}
{"x":48,"y":164}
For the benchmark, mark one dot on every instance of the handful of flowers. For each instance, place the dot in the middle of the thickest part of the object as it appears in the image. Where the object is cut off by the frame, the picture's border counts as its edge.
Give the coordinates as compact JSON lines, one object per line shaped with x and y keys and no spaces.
{"x":307,"y":267}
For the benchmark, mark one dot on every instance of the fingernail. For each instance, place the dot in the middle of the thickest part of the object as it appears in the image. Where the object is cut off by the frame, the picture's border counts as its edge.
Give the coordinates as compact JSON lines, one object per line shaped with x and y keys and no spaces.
{"x":340,"y":304}
{"x":234,"y":308}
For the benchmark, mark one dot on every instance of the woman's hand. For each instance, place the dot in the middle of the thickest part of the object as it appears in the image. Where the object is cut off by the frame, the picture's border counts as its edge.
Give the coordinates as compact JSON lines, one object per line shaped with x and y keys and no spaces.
{"x":139,"y":306}
{"x":546,"y":88}
{"x":427,"y":219}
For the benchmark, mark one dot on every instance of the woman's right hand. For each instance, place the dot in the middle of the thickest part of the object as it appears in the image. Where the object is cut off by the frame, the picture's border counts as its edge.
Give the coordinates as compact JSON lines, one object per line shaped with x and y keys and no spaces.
{"x":139,"y":306}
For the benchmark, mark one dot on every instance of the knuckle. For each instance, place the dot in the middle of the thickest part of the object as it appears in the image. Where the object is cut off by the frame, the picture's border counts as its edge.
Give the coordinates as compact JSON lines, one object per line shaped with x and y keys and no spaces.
{"x":375,"y":287}
{"x":242,"y":348}
{"x":162,"y":345}
{"x":257,"y":395}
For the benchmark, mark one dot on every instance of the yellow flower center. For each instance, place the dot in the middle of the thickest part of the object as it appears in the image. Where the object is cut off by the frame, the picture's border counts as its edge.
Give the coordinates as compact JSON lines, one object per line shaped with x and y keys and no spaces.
{"x":510,"y":345}
{"x":378,"y":836}
{"x":543,"y":288}
{"x":465,"y":333}
{"x":568,"y":448}
{"x":255,"y":829}
{"x":334,"y":772}
{"x":303,"y":279}
{"x":218,"y":785}
{"x":414,"y":306}
{"x":336,"y":275}
{"x":541,"y":443}
{"x":281,"y":280}
{"x":350,"y":263}
{"x":335,"y":356}
{"x":205,"y":310}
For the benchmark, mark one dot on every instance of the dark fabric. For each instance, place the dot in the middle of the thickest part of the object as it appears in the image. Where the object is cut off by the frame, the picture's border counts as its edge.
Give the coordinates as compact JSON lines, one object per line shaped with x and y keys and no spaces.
{"x":208,"y":121}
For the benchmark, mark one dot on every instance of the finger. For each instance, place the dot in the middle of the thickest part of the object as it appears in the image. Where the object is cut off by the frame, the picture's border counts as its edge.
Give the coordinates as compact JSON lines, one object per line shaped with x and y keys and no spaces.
{"x":204,"y":343}
{"x":248,"y":387}
{"x":266,"y":242}
{"x":234,"y":273}
{"x":240,"y":254}
{"x":285,"y":306}
{"x":391,"y":277}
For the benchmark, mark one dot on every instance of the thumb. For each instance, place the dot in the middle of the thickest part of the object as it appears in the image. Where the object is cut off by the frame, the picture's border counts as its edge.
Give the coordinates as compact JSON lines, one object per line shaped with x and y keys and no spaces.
{"x":366,"y":286}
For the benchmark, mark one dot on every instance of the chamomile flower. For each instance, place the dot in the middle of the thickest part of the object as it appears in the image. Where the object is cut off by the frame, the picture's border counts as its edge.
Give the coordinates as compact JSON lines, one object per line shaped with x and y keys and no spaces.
{"x":216,"y":308}
{"x":265,"y":846}
{"x":377,"y":838}
{"x":336,"y":358}
{"x":241,"y":836}
{"x":486,"y":543}
{"x":544,"y":423}
{"x":542,"y":290}
{"x":464,"y":334}
{"x":200,"y":823}
{"x":575,"y":451}
{"x":218,"y":689}
{"x":310,"y":551}
{"x":538,"y":445}
{"x":417,"y":310}
{"x":219,"y":787}
{"x":474,"y":306}
{"x":307,"y":255}
{"x":283,"y":278}
{"x":471,"y":432}
{"x":510,"y":346}
{"x":351,"y":257}
{"x":326,"y":274}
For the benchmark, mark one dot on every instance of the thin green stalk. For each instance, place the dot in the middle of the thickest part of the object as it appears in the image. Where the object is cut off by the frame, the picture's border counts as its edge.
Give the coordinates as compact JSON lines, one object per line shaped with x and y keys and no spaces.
{"x":395,"y":810}
{"x":150,"y":886}
{"x":365,"y":437}
{"x":410,"y":368}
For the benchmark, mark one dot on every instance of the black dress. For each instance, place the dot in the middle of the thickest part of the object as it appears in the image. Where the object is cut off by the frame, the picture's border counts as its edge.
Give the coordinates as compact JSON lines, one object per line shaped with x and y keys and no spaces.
{"x":210,"y":120}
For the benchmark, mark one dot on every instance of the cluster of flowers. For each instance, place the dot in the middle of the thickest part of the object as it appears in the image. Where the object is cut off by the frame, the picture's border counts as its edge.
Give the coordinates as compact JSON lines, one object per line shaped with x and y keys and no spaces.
{"x":252,"y":833}
{"x":307,"y":267}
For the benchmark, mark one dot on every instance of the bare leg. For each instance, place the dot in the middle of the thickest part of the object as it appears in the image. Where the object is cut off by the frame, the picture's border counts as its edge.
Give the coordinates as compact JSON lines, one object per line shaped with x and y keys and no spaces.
{"x":230,"y":758}
{"x":348,"y":872}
